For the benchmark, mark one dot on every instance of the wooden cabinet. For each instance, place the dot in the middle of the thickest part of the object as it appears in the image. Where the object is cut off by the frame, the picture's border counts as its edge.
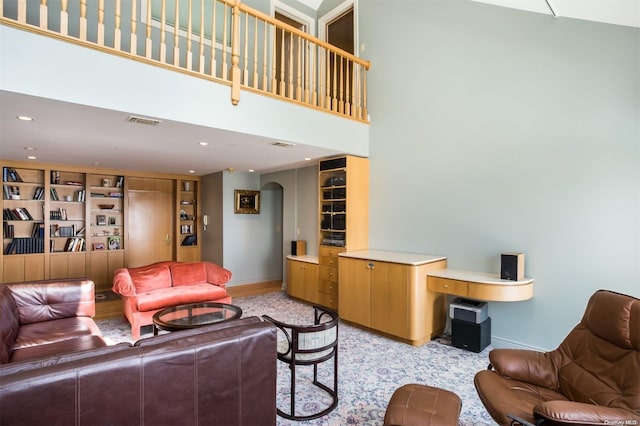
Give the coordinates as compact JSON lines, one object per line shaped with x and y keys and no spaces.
{"x":302,"y":280}
{"x":328,"y":276}
{"x":106,"y":211}
{"x":479,"y":285}
{"x":103,"y":265}
{"x":67,"y":265}
{"x":343,"y":219}
{"x":386,"y":291}
{"x":188,"y":214}
{"x":70,"y":221}
{"x":26,"y":267}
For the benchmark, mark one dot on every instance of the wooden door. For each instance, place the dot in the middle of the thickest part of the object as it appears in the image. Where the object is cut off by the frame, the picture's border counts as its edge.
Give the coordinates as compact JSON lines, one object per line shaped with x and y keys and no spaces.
{"x":389,"y":298}
{"x":355,"y":290}
{"x":150,"y":227}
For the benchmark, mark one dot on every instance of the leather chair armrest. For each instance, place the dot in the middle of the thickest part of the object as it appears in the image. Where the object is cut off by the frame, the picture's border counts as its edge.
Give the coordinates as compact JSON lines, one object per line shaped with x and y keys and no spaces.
{"x":573,"y":413}
{"x":122,"y":283}
{"x":528,"y":366}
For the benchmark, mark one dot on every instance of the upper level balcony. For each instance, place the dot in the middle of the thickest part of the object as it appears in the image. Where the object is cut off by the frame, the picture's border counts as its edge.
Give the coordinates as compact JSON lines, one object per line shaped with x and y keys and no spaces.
{"x":227,"y":65}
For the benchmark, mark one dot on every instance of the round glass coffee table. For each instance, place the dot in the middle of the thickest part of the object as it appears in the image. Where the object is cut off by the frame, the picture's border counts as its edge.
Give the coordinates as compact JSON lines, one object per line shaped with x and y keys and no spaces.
{"x":192,"y":315}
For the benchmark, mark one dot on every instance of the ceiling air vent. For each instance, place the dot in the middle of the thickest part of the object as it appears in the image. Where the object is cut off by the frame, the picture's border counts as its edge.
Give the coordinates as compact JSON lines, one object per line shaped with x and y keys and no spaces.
{"x":283,"y":144}
{"x":143,"y":120}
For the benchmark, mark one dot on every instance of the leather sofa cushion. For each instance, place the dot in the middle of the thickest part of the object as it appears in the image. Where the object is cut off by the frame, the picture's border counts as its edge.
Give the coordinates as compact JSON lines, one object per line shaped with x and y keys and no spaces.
{"x":188,"y":273}
{"x":165,"y":297}
{"x":98,"y":349}
{"x":151,"y":278}
{"x":9,"y":324}
{"x":45,"y":332}
{"x":77,"y":344}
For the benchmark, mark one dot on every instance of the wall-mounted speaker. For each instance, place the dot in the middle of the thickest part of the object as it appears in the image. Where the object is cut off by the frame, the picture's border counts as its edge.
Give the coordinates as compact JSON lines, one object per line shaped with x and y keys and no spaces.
{"x":298,"y":248}
{"x":512,"y":266}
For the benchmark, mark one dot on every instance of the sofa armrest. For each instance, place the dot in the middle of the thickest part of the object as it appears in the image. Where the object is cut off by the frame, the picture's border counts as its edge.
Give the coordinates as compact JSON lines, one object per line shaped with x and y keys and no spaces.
{"x":217,"y":275}
{"x":526,"y":365}
{"x":46,"y":300}
{"x":573,"y":413}
{"x":122,"y":283}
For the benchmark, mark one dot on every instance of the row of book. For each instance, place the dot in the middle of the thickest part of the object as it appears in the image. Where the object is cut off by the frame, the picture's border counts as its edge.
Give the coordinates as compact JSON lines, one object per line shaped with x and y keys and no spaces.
{"x":10,"y":174}
{"x":65,"y":231}
{"x":80,"y":195}
{"x":25,"y":245}
{"x":18,"y":213}
{"x":37,"y":230}
{"x":71,"y":244}
{"x":60,"y":214}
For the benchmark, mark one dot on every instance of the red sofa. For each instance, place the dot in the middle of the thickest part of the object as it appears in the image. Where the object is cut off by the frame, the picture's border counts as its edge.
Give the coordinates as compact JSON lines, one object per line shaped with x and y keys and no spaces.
{"x":148,"y":289}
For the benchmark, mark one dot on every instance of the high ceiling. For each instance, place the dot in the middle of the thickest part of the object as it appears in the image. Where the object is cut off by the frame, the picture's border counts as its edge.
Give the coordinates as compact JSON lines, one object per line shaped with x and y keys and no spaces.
{"x":59,"y":133}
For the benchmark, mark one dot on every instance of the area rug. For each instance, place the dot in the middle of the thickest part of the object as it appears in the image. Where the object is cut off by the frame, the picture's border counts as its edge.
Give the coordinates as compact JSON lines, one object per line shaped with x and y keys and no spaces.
{"x":371,"y":368}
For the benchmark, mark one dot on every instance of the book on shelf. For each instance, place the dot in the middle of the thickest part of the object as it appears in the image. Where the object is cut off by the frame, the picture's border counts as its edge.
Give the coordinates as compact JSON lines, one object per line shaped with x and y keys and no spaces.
{"x":120,"y":182}
{"x":73,"y":183}
{"x":25,"y":245}
{"x":37,"y":230}
{"x":38,"y":194}
{"x":10,"y":174}
{"x":55,"y":177}
{"x":54,"y":194}
{"x":8,"y":230}
{"x":74,"y":244}
{"x":80,"y":195}
{"x":19,"y":213}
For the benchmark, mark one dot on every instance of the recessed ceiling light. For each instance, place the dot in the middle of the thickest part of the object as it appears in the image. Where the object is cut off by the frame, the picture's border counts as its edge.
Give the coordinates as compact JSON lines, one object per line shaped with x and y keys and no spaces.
{"x":96,"y":163}
{"x":192,"y":171}
{"x":307,"y":159}
{"x":31,"y":157}
{"x":24,"y":118}
{"x":29,"y":148}
{"x":203,"y":143}
{"x":251,"y":170}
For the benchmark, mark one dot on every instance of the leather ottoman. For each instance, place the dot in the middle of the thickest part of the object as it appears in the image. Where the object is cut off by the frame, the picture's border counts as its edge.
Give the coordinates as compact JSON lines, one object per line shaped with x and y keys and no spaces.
{"x":414,"y":405}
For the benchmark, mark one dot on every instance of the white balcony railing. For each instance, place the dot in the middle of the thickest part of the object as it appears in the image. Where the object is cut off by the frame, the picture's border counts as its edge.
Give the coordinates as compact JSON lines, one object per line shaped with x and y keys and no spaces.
{"x":219,"y":40}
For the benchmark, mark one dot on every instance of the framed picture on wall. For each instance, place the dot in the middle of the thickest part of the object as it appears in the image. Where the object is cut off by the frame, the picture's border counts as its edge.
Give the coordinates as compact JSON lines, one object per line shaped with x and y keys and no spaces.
{"x":247,"y":202}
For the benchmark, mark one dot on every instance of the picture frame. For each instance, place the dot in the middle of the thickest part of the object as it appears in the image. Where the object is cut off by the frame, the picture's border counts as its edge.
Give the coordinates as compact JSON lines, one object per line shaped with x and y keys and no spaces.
{"x":246,"y":201}
{"x":98,"y":246}
{"x":101,"y":219}
{"x":112,"y":220}
{"x":113,"y":243}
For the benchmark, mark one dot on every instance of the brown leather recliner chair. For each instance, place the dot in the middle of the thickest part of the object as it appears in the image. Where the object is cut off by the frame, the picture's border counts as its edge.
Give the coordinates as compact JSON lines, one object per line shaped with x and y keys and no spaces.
{"x":592,"y":378}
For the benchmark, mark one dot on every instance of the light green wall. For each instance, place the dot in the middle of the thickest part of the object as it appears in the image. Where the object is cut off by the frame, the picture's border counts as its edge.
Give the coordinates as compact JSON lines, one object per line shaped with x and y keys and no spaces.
{"x":498,"y":130}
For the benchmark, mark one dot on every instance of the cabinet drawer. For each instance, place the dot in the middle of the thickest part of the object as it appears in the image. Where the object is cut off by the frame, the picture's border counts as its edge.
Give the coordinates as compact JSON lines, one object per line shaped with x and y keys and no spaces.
{"x":329,"y":274}
{"x":328,"y":287}
{"x":444,"y":285}
{"x":328,"y":300}
{"x":331,"y":262}
{"x":330,"y":251}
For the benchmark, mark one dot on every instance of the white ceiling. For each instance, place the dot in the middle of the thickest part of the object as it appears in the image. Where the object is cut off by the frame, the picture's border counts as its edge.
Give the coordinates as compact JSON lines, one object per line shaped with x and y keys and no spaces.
{"x":60,"y":131}
{"x":619,"y":12}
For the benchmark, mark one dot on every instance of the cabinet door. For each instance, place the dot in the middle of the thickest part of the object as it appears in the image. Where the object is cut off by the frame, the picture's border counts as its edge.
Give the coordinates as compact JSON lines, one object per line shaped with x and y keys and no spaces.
{"x":389,"y":298}
{"x":99,"y":271}
{"x":295,"y":284}
{"x":355,"y":290}
{"x":77,"y":265}
{"x":13,"y":269}
{"x":58,"y":266}
{"x":34,"y":267}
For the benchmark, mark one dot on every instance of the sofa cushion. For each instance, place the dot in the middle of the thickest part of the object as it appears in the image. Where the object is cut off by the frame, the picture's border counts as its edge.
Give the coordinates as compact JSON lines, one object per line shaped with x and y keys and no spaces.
{"x":188,"y":273}
{"x":39,"y":333}
{"x":9,"y":324}
{"x":166,"y":297}
{"x":77,"y":344}
{"x":152,"y":278}
{"x":96,"y":348}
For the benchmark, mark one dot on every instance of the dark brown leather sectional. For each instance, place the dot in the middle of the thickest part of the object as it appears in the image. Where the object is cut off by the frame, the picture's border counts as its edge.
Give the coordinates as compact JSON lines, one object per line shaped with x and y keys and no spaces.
{"x":217,"y":375}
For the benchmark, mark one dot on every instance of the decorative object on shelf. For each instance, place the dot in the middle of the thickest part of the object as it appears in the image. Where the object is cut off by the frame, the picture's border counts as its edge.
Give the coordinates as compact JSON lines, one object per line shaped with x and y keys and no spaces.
{"x":190,"y":240}
{"x":186,"y":185}
{"x":112,"y":220}
{"x":101,"y":219}
{"x":247,"y":202}
{"x":114,"y":243}
{"x":105,"y":206}
{"x":107,"y":183}
{"x":98,"y":246}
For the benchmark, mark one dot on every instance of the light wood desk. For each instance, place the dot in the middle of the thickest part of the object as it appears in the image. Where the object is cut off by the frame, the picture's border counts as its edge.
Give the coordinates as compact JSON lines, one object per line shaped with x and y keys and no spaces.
{"x":479,"y":285}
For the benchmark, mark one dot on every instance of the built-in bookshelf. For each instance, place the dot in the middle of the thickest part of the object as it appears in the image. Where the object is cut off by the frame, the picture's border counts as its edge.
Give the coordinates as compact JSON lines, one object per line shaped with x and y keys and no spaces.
{"x":187,"y":225}
{"x":106,"y":194}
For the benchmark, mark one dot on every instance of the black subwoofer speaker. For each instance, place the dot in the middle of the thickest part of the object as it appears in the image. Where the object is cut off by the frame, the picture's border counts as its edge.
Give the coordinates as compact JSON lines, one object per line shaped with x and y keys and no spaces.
{"x":471,"y":336}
